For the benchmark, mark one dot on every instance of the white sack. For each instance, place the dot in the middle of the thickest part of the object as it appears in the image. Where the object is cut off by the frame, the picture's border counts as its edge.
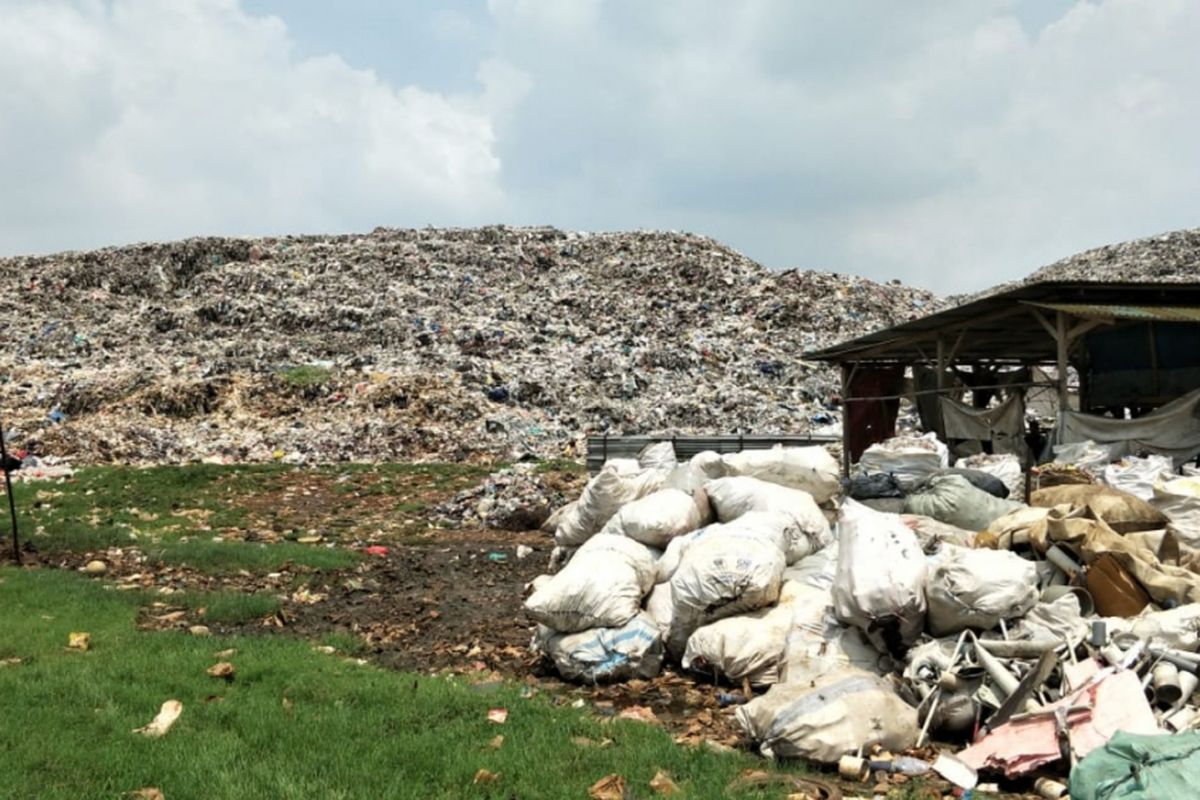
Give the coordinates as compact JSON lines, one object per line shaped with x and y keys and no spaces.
{"x":1179,"y":501}
{"x":668,"y":562}
{"x":657,"y":456}
{"x":880,"y":585}
{"x":1057,"y":620}
{"x":634,"y":650}
{"x":978,"y":589}
{"x":723,"y":571}
{"x":601,"y":587}
{"x":816,"y":571}
{"x":1139,"y":475}
{"x":1087,"y":455}
{"x":709,"y":462}
{"x":657,"y":518}
{"x":810,"y":469}
{"x":1004,"y":466}
{"x":846,"y":712}
{"x":1177,"y":627}
{"x":614,"y":486}
{"x":660,"y":607}
{"x":911,"y":459}
{"x":953,"y":500}
{"x":817,"y":643}
{"x":732,"y":498}
{"x":748,"y":646}
{"x":932,"y":534}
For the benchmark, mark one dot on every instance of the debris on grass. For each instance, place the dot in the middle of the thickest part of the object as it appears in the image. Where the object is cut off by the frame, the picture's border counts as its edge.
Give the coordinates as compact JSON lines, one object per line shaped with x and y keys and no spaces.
{"x":485,"y":776}
{"x":222,"y":669}
{"x":610,"y":787}
{"x":162,"y":722}
{"x":79,"y":640}
{"x":662,"y":784}
{"x":497,"y":715}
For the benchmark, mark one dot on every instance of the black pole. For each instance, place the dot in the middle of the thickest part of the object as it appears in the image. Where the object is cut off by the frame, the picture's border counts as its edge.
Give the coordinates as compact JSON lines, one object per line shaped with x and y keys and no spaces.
{"x":12,"y":505}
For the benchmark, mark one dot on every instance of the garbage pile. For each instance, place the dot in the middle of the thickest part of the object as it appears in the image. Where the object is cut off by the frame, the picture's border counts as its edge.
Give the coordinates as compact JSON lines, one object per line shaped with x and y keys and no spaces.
{"x":459,"y":345}
{"x":1016,"y":639}
{"x":517,"y":498}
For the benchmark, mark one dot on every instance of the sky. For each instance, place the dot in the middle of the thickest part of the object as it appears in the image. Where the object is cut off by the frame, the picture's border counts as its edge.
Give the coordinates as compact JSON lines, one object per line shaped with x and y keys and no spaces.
{"x":950,"y":145}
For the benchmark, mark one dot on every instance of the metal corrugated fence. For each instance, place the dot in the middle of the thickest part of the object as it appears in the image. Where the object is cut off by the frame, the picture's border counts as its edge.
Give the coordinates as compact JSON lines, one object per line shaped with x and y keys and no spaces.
{"x":602,"y":448}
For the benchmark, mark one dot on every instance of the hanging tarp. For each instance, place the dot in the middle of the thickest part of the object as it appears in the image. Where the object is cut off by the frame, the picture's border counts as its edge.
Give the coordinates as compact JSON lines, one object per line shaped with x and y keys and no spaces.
{"x":1172,"y":430}
{"x":1003,"y":425}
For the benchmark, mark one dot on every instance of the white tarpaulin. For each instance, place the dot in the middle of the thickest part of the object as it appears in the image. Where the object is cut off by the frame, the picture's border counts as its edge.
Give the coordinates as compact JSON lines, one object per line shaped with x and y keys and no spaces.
{"x":1173,"y":430}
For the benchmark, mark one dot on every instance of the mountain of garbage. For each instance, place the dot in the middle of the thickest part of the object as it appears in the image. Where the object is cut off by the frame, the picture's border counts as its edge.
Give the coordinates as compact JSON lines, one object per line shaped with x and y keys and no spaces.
{"x":459,"y":344}
{"x":1172,"y":257}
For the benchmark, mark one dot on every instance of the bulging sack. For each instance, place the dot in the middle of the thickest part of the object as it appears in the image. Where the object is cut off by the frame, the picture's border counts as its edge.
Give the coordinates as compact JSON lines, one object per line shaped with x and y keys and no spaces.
{"x":880,"y":584}
{"x":657,"y":518}
{"x":1005,"y":466}
{"x":722,"y":573}
{"x":817,"y":643}
{"x":598,"y":655}
{"x":978,"y":588}
{"x":953,"y":500}
{"x":911,"y":459}
{"x":846,"y":711}
{"x":601,"y":587}
{"x":1179,"y":502}
{"x":620,"y":481}
{"x":748,"y":646}
{"x":1137,"y":476}
{"x":810,"y":469}
{"x":1121,"y":511}
{"x":660,"y":455}
{"x":732,"y":498}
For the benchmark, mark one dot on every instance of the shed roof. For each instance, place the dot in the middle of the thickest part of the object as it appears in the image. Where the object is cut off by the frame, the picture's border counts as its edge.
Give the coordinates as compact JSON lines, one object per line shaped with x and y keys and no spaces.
{"x":1002,"y":327}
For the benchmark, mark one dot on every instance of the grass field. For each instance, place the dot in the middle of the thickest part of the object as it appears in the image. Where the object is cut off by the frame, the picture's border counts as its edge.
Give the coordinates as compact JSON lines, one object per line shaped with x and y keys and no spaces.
{"x":294,"y":723}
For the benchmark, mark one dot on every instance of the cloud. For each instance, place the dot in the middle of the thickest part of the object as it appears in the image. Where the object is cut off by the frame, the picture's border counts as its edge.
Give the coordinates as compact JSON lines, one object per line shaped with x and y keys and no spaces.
{"x":950,"y":145}
{"x":140,"y":119}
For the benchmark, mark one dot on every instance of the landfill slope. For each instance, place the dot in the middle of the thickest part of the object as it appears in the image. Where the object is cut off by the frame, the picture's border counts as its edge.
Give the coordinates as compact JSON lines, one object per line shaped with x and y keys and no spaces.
{"x":1172,"y":257}
{"x":489,"y":343}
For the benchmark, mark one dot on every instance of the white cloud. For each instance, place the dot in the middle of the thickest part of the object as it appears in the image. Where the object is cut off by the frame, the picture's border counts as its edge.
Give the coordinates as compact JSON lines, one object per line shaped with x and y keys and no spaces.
{"x":141,"y":119}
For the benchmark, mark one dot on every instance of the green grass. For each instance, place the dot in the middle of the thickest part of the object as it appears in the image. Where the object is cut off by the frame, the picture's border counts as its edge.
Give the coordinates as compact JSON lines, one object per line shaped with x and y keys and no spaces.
{"x":220,"y":557}
{"x":305,"y":376}
{"x":294,"y":724}
{"x":231,"y":608}
{"x":561,"y":465}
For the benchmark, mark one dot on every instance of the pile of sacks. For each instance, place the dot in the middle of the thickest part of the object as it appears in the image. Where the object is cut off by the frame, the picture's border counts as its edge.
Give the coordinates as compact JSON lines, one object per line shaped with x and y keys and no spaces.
{"x":961,"y":611}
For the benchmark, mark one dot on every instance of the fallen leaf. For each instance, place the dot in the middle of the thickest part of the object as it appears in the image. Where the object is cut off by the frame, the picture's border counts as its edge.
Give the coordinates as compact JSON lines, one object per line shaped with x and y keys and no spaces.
{"x":222,"y":669}
{"x":9,"y":662}
{"x":199,"y":630}
{"x":225,"y":653}
{"x":79,"y":641}
{"x":662,"y":784}
{"x":173,"y":616}
{"x":326,"y":649}
{"x":610,"y":787}
{"x":163,"y":721}
{"x":149,"y":793}
{"x":287,"y":704}
{"x":309,"y":539}
{"x":497,"y":715}
{"x":496,"y":742}
{"x":639,"y":714}
{"x":486,"y":776}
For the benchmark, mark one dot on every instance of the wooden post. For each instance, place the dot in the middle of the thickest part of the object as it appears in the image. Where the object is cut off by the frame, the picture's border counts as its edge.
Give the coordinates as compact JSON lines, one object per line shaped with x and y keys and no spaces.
{"x":1060,"y":339}
{"x":845,"y":420}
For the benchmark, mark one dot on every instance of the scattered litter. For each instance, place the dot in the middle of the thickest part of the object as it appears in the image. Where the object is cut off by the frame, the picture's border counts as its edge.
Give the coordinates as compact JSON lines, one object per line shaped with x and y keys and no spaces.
{"x":610,"y":787}
{"x":662,"y":784}
{"x":95,"y":567}
{"x":163,"y":720}
{"x":222,"y":669}
{"x":485,"y":776}
{"x":497,"y":715}
{"x":376,"y":550}
{"x":199,"y":630}
{"x":79,"y":640}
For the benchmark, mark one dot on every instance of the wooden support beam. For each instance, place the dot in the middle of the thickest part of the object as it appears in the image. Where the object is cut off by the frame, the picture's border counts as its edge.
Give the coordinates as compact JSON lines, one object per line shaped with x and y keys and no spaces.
{"x":1060,"y":338}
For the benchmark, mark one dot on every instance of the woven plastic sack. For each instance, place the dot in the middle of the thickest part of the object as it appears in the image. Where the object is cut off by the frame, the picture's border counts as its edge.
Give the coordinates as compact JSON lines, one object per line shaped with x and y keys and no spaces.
{"x":619,"y":482}
{"x":601,"y":587}
{"x":811,"y":469}
{"x":911,"y":459}
{"x":977,"y":589}
{"x":599,"y":655}
{"x":657,"y":518}
{"x":953,"y":500}
{"x":745,"y":647}
{"x":732,"y":498}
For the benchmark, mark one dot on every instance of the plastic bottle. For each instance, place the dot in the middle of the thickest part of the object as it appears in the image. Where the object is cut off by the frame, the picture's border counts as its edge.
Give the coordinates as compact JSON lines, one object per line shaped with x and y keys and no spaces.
{"x":905,"y":765}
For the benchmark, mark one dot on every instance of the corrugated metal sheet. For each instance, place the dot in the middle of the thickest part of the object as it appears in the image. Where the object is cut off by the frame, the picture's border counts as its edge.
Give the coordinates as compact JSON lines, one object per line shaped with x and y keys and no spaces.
{"x":1143,"y":313}
{"x":602,"y":448}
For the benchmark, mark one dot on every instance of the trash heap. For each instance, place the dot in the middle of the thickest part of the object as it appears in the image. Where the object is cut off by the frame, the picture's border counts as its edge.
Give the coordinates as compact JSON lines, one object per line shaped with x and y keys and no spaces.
{"x":516,"y":498}
{"x":1010,"y":641}
{"x":463,"y":345}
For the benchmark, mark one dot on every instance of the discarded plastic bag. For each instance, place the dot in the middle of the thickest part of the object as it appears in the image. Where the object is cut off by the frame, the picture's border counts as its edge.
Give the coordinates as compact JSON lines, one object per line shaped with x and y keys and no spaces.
{"x":911,"y":459}
{"x":844,"y":712}
{"x":977,"y":589}
{"x":1004,"y":466}
{"x":1179,"y":501}
{"x":634,"y":650}
{"x":810,"y":469}
{"x":722,"y":573}
{"x":601,"y":587}
{"x":1140,"y":767}
{"x":953,"y":500}
{"x":1177,"y":627}
{"x":748,"y":646}
{"x":619,"y":482}
{"x":732,"y":498}
{"x":657,"y":518}
{"x":163,"y":720}
{"x":1137,"y":476}
{"x":880,"y":584}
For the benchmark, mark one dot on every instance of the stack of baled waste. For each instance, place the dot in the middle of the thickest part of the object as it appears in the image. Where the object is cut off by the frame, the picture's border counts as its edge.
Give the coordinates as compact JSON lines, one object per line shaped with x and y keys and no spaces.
{"x":1007,"y":629}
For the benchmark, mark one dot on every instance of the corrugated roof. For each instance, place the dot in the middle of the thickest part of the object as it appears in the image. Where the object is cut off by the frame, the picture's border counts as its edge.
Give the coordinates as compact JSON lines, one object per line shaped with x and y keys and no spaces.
{"x":1143,"y":313}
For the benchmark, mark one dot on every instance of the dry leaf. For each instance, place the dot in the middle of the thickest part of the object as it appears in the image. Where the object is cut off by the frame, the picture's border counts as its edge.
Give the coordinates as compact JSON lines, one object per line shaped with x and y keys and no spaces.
{"x":163,"y":721}
{"x":79,"y":641}
{"x":149,"y":793}
{"x":639,"y":714}
{"x":173,"y":616}
{"x":662,"y":784}
{"x":497,"y":715}
{"x":9,"y":662}
{"x":199,"y":630}
{"x":496,"y":742}
{"x":610,"y":787}
{"x":222,"y":669}
{"x":287,"y":704}
{"x":225,"y":653}
{"x":486,"y":776}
